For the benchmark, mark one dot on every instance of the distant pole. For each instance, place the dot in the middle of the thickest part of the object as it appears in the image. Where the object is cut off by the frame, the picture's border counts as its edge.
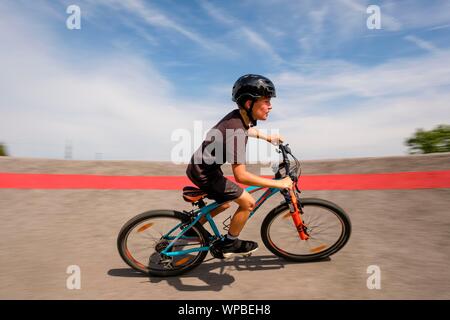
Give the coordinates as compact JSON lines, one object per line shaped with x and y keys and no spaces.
{"x":68,"y":150}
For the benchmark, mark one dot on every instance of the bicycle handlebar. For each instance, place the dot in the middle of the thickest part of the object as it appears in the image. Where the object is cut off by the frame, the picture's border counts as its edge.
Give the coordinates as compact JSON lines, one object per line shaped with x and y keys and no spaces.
{"x":286,"y":151}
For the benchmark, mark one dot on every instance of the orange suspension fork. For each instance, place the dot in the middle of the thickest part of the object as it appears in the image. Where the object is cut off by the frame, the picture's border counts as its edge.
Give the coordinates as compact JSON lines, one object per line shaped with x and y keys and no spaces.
{"x":295,"y":213}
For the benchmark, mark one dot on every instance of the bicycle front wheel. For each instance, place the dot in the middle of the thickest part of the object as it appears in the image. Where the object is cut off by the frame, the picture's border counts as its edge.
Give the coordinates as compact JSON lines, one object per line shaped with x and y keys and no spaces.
{"x":142,"y":239}
{"x":328,"y":227}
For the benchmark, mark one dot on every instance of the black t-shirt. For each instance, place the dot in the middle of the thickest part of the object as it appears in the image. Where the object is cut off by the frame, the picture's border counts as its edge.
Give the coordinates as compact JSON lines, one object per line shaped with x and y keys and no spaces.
{"x":225,"y":142}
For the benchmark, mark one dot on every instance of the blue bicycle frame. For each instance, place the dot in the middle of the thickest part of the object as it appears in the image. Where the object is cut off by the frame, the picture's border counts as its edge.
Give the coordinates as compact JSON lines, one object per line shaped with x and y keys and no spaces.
{"x":205,"y":211}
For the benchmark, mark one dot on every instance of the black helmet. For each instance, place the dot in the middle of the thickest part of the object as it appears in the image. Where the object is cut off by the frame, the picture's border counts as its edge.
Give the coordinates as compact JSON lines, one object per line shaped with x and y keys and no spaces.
{"x":251,"y":87}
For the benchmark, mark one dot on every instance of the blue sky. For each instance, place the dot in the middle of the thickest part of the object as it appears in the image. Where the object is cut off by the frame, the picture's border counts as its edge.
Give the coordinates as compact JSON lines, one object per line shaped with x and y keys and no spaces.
{"x":138,"y":70}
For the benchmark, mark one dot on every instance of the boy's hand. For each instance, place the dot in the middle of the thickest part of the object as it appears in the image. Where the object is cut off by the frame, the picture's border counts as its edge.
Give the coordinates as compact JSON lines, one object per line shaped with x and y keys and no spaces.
{"x":285,"y":183}
{"x":275,"y":139}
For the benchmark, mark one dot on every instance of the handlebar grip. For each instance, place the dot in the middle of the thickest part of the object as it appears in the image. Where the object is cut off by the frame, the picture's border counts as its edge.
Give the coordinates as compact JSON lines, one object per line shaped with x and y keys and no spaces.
{"x":286,"y":194}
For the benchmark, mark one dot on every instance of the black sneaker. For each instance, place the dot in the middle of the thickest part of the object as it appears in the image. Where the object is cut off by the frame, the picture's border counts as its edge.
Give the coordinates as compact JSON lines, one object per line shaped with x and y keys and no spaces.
{"x":228,"y":248}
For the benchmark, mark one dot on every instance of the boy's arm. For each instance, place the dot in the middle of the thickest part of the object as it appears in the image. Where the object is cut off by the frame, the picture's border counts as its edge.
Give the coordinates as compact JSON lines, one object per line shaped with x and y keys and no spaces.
{"x":243,"y":176}
{"x":274,"y":138}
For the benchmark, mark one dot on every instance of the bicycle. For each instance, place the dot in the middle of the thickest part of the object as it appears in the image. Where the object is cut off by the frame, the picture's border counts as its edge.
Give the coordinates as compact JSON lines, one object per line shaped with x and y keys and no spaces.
{"x":155,"y":243}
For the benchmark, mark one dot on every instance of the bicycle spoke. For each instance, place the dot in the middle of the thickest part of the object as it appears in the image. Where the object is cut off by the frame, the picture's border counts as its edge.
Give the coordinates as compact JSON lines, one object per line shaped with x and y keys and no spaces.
{"x":314,"y":219}
{"x":148,"y":238}
{"x":321,"y":229}
{"x":324,"y":229}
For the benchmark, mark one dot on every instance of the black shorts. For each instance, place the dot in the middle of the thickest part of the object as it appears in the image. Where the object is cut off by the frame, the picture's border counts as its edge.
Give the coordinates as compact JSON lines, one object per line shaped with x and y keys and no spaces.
{"x":218,"y":187}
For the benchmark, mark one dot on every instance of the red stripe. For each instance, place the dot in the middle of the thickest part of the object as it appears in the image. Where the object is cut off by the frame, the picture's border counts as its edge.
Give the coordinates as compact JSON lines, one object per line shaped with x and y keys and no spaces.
{"x":399,"y":180}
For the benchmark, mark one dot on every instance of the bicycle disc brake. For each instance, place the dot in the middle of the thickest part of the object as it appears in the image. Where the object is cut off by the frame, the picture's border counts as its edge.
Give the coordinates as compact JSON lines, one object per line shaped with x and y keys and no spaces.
{"x":165,"y":261}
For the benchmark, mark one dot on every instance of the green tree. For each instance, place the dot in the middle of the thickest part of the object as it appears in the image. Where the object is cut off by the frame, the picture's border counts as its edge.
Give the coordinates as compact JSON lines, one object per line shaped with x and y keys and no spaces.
{"x":436,"y":140}
{"x":3,"y":152}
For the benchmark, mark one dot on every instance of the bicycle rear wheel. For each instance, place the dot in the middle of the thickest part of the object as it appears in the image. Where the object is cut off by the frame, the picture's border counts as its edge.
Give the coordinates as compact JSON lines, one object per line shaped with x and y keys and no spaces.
{"x":328,"y":226}
{"x":141,"y":240}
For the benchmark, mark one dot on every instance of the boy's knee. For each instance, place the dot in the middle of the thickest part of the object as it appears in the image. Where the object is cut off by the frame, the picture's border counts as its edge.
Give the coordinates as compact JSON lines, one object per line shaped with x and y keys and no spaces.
{"x":252,"y":204}
{"x":226,"y":205}
{"x":249,"y":205}
{"x":246,"y":202}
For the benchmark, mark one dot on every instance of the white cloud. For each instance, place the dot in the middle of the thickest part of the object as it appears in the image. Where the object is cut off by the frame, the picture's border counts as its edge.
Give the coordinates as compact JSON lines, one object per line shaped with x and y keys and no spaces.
{"x":117,"y":104}
{"x":217,"y":14}
{"x":376,"y":128}
{"x":121,"y":105}
{"x":349,"y":111}
{"x":260,"y":43}
{"x":156,"y":18}
{"x":418,"y":14}
{"x":395,"y":77}
{"x":425,"y":45}
{"x":150,"y":15}
{"x":241,"y":29}
{"x":440,"y":27}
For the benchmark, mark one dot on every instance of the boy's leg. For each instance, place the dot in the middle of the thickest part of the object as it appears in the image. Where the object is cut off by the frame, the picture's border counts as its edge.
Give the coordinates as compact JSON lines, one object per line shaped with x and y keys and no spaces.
{"x":246,"y":205}
{"x":216,"y":211}
{"x":213,"y":213}
{"x":231,"y":245}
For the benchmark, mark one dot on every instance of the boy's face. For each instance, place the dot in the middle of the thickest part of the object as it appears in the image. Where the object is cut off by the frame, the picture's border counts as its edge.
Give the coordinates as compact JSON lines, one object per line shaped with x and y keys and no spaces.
{"x":261,"y":108}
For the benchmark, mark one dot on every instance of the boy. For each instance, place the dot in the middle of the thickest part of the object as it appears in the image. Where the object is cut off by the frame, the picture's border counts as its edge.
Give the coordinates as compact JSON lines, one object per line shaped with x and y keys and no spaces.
{"x":226,"y":141}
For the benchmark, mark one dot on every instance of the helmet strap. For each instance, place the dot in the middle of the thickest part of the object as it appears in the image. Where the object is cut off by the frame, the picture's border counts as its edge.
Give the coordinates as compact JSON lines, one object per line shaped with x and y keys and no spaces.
{"x":250,"y":113}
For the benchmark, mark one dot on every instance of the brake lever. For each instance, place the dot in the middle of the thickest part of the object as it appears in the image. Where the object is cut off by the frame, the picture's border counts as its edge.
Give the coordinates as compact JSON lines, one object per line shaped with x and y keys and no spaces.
{"x":288,"y":150}
{"x":296,"y":187}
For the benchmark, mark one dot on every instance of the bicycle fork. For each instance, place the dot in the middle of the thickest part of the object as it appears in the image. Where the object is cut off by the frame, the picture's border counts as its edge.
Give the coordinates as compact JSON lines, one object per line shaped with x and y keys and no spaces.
{"x":291,"y":200}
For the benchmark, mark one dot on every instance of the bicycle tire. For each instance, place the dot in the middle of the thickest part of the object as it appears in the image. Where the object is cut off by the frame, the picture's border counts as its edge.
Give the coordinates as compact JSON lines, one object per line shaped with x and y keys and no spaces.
{"x":148,"y":215}
{"x":307,"y":203}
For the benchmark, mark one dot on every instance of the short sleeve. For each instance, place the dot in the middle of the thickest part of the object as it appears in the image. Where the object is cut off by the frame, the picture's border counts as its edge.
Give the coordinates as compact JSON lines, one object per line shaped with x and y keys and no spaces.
{"x":235,"y":146}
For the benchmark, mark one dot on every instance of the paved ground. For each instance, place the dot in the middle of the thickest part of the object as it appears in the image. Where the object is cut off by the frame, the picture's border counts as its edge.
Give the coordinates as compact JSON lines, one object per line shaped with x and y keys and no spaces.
{"x":404,"y":232}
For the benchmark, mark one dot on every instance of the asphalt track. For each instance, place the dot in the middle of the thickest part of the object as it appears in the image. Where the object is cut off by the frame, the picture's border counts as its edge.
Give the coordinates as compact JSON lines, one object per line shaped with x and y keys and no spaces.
{"x":403,"y":229}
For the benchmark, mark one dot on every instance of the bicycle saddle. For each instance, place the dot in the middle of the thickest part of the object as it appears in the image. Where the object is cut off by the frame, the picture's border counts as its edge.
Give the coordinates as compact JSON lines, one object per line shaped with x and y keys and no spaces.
{"x":193,"y":194}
